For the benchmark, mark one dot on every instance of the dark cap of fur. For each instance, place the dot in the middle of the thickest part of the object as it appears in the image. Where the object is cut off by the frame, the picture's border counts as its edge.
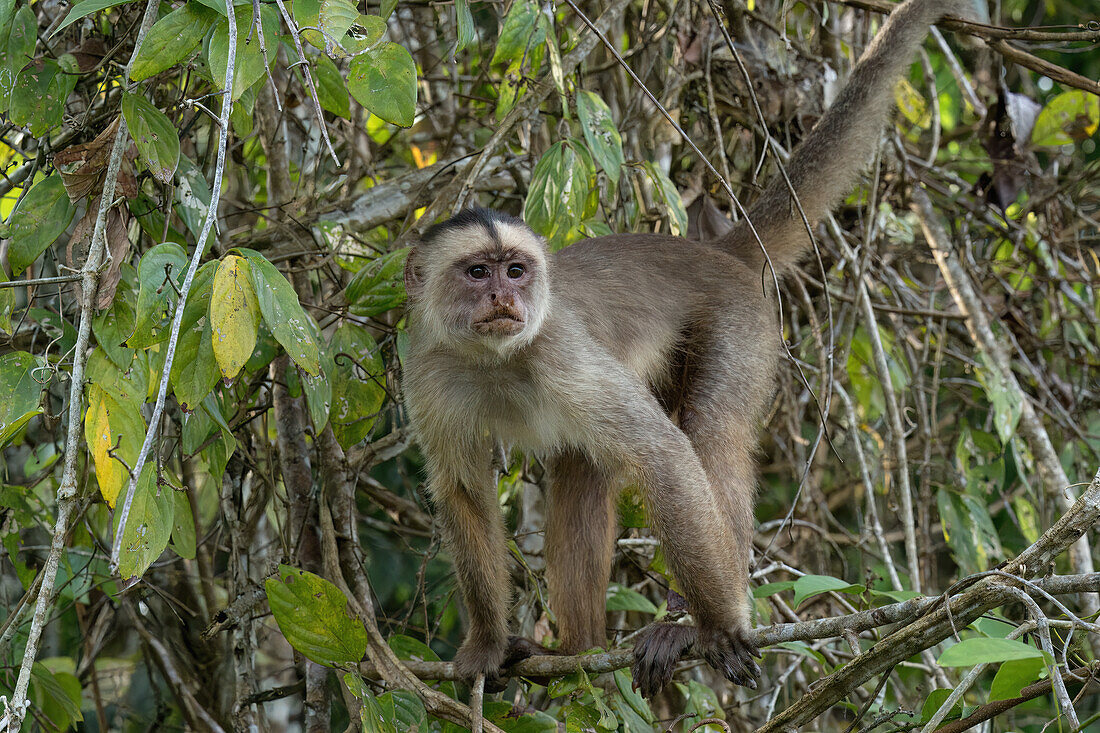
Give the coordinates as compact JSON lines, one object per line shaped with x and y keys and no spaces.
{"x":487,"y":219}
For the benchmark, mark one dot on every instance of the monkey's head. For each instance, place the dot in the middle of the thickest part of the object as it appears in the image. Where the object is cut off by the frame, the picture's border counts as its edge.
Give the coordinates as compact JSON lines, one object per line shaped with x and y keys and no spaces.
{"x":479,"y":279}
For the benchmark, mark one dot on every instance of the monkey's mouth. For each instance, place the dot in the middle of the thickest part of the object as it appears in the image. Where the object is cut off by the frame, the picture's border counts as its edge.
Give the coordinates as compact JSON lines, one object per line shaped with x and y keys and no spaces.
{"x":500,"y":323}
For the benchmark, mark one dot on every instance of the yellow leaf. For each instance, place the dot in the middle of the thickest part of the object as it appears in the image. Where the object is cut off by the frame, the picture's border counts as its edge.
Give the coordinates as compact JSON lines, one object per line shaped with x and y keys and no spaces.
{"x":107,"y":424}
{"x":234,"y":315}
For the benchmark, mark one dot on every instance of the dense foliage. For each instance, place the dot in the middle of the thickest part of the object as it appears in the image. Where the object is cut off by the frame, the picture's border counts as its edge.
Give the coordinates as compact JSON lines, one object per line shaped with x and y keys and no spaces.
{"x":211,"y":512}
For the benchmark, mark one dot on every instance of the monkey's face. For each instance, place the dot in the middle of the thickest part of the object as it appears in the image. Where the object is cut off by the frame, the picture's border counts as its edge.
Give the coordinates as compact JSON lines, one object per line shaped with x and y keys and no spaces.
{"x":484,"y":283}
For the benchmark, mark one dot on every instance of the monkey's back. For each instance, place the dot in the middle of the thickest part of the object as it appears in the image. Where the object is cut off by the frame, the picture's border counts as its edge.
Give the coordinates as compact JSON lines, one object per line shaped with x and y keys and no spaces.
{"x":645,"y":296}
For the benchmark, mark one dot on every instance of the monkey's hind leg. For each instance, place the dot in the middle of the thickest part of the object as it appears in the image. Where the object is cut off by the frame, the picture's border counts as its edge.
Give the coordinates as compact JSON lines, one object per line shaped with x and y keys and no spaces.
{"x":727,"y":387}
{"x":580,"y":535}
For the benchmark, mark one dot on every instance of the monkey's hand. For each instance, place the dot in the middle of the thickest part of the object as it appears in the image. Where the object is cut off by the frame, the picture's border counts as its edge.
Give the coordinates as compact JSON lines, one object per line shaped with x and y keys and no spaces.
{"x":730,"y":652}
{"x":660,"y":646}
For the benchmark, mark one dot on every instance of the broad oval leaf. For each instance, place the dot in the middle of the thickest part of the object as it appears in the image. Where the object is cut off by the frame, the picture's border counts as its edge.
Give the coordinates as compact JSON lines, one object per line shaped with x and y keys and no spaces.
{"x":283,"y":313}
{"x":234,"y":315}
{"x":39,"y":93}
{"x":112,"y":427}
{"x":160,"y":272}
{"x":336,"y":17}
{"x":520,"y":34}
{"x":811,"y":585}
{"x":332,"y":91}
{"x":558,"y":193}
{"x":1070,"y":117}
{"x":384,"y":81}
{"x":313,"y":615}
{"x":148,"y":526}
{"x":1013,"y":676}
{"x":621,"y":598}
{"x":985,"y":650}
{"x":155,"y":136}
{"x":249,"y":66}
{"x":600,"y":133}
{"x":357,"y":394}
{"x":172,"y":39}
{"x":379,"y":286}
{"x":20,"y":393}
{"x":38,"y":220}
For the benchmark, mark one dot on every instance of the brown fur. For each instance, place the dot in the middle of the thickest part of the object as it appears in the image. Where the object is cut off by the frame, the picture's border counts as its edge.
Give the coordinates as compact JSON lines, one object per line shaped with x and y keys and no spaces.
{"x":627,"y":357}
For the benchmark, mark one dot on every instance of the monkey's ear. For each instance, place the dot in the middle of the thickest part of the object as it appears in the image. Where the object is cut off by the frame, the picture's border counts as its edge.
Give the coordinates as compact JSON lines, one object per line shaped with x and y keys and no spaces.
{"x":414,"y":277}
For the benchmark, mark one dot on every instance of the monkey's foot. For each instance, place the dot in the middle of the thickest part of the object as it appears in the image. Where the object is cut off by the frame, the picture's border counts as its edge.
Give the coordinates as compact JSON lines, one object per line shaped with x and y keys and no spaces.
{"x":474,"y":659}
{"x":730,"y":652}
{"x":656,"y":652}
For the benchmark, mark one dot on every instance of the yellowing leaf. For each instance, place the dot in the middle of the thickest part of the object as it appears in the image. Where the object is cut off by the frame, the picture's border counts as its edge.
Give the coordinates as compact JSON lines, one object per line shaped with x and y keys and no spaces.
{"x":234,"y":315}
{"x":108,"y":423}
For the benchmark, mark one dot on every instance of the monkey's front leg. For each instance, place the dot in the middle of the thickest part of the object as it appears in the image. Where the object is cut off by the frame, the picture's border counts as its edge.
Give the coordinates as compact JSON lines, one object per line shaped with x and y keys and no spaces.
{"x":474,"y":533}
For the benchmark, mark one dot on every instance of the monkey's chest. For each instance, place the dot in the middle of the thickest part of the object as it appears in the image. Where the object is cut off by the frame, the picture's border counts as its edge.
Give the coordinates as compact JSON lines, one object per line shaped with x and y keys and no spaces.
{"x":513,"y":410}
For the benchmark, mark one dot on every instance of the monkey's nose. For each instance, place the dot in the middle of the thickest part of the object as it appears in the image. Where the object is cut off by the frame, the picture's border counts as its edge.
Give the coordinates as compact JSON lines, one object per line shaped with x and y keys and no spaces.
{"x":492,"y":296}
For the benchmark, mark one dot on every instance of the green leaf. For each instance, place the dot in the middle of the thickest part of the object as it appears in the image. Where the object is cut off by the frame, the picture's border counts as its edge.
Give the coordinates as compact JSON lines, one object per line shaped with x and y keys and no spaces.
{"x":172,"y":39}
{"x":770,"y":589}
{"x":399,"y":711}
{"x":533,"y":722}
{"x":160,"y":272}
{"x":313,"y":615}
{"x":558,"y":192}
{"x":621,"y":598}
{"x":521,"y":32}
{"x":148,"y":527}
{"x":677,"y":214}
{"x":318,"y":389}
{"x":183,"y":526}
{"x":155,"y":136}
{"x":17,"y":41}
{"x":20,"y":393}
{"x":115,"y":325}
{"x":283,"y":313}
{"x":811,"y":585}
{"x":56,"y":694}
{"x":386,"y":8}
{"x":193,"y":196}
{"x":935,"y":701}
{"x":85,"y":8}
{"x":986,"y":650}
{"x":332,"y":91}
{"x":969,"y":530}
{"x":379,"y":286}
{"x":336,"y":17}
{"x":1006,"y":405}
{"x":112,"y":426}
{"x":383,"y":80}
{"x":624,"y":683}
{"x":406,"y":647}
{"x":40,"y":91}
{"x":600,"y":133}
{"x":1070,"y":117}
{"x":38,"y":220}
{"x":195,"y":369}
{"x":234,"y":315}
{"x":357,"y":394}
{"x":1013,"y":676}
{"x":128,"y":385}
{"x":249,"y":66}
{"x":465,"y":22}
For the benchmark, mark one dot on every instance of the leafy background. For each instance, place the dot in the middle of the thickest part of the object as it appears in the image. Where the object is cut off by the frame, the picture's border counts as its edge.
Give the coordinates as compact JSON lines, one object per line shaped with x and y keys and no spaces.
{"x":275,"y":529}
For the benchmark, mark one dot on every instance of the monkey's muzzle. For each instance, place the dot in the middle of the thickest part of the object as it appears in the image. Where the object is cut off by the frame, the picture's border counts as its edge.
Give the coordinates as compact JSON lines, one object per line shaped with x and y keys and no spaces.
{"x":501,"y":322}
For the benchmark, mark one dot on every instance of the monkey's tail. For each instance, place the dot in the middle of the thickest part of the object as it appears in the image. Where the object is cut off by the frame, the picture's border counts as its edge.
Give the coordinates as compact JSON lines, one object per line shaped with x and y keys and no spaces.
{"x":825,"y":166}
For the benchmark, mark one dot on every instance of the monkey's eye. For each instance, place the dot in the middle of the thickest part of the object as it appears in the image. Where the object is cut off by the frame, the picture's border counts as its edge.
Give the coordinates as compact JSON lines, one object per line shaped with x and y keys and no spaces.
{"x":478,"y":272}
{"x":515,"y":271}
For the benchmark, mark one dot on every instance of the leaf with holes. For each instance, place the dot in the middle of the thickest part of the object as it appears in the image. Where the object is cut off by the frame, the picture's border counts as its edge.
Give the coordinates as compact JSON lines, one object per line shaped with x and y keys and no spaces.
{"x":600,"y":133}
{"x":314,"y":617}
{"x":148,"y":526}
{"x":155,"y":136}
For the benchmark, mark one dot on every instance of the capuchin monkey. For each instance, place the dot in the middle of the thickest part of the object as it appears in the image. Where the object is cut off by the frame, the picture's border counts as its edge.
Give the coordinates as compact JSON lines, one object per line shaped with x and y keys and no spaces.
{"x":630,"y":357}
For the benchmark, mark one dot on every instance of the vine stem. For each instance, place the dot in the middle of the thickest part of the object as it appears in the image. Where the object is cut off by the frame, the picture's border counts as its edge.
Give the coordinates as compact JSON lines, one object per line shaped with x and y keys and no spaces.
{"x":177,"y":319}
{"x":67,"y":490}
